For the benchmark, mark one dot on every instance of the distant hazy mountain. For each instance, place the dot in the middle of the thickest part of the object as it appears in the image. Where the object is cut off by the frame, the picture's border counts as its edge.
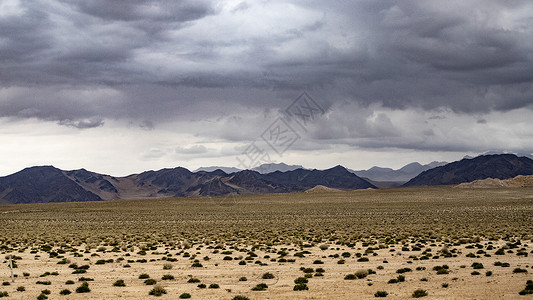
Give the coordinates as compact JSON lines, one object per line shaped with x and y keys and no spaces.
{"x":499,"y":166}
{"x":269,"y":168}
{"x":228,"y":170}
{"x":403,"y":174}
{"x":263,"y":169}
{"x":48,"y":184}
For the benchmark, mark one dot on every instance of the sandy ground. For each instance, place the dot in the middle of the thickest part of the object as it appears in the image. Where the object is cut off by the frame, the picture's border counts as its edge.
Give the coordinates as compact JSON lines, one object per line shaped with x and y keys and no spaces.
{"x":503,"y":284}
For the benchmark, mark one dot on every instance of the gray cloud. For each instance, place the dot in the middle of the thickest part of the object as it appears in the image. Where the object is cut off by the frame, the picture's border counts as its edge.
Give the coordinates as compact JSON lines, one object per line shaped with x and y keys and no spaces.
{"x":225,"y":70}
{"x":83,"y":124}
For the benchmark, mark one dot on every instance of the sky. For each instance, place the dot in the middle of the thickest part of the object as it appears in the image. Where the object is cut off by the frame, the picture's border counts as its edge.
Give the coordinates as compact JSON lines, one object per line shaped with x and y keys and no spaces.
{"x":119,"y":87}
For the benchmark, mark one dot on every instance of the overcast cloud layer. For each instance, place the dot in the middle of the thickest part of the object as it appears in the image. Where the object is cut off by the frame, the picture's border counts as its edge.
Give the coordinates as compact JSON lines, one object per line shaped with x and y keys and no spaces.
{"x":122,"y":86}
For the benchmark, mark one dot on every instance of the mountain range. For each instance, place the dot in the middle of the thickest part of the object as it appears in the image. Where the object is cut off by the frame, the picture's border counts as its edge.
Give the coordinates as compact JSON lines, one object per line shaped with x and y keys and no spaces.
{"x":49,"y":184}
{"x":263,"y":169}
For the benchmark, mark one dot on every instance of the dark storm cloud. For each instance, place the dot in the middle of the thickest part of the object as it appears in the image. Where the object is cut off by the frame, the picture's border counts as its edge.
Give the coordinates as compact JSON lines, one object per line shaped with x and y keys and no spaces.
{"x":150,"y":61}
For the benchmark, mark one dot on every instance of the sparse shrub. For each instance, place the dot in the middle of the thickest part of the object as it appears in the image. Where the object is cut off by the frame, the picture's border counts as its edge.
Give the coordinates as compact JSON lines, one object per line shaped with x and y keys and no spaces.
{"x":528,"y":289}
{"x":324,"y":247}
{"x":403,"y":270}
{"x":260,"y":287}
{"x":300,"y":287}
{"x":42,"y":297}
{"x":519,"y":270}
{"x":150,"y":281}
{"x":85,"y":279}
{"x":21,"y":289}
{"x":167,"y":266}
{"x":46,"y":292}
{"x":268,"y":276}
{"x":300,"y":280}
{"x":419,"y":293}
{"x":167,"y":277}
{"x":65,"y":292}
{"x":350,"y":277}
{"x":157,"y":291}
{"x":83,"y":288}
{"x":119,"y":282}
{"x":477,"y":266}
{"x":381,"y":294}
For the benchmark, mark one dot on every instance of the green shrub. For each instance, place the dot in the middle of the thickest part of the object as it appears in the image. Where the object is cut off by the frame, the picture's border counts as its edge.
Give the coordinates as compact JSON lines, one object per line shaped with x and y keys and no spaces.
{"x":240,"y":298}
{"x":68,"y":282}
{"x":144,"y":276}
{"x":518,"y":270}
{"x":43,"y":282}
{"x":185,"y":296}
{"x":202,"y":286}
{"x":46,"y":292}
{"x":21,"y":289}
{"x":167,"y":277}
{"x":150,"y":281}
{"x":214,"y":286}
{"x":243,"y":279}
{"x":268,"y":276}
{"x":193,"y":280}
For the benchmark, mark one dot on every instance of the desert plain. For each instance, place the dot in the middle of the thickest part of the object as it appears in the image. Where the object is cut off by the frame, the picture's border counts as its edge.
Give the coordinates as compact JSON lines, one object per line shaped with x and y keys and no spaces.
{"x":445,"y":242}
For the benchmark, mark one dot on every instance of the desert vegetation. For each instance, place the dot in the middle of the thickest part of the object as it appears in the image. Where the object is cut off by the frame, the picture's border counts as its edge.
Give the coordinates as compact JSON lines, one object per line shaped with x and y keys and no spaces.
{"x":435,"y":242}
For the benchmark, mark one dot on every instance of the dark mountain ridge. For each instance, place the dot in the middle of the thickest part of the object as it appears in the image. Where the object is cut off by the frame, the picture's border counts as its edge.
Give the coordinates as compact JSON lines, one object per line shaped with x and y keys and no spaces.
{"x":49,"y":184}
{"x":500,"y":166}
